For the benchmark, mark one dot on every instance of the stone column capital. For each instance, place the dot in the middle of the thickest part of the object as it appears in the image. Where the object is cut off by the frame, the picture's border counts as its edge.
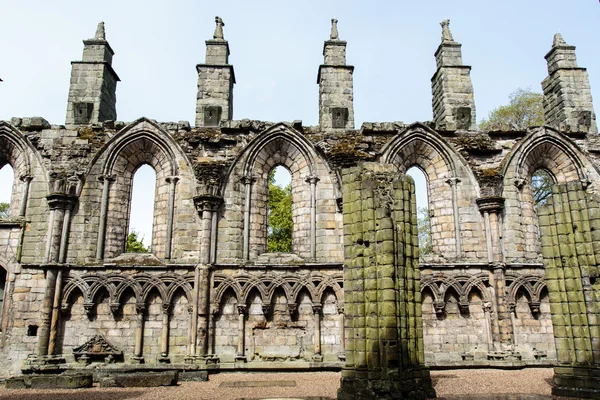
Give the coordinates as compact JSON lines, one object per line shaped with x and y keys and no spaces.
{"x":248,"y":179}
{"x":313,"y":179}
{"x":340,"y":308}
{"x":172,"y":179}
{"x":454,"y":181}
{"x":60,"y":201}
{"x":166,"y":308}
{"x":492,"y":204}
{"x":114,"y":308}
{"x":266,"y":309}
{"x":242,"y":309}
{"x":107,"y":178}
{"x":317,"y":307}
{"x":140,"y":308}
{"x":26,"y":178}
{"x":207,"y":202}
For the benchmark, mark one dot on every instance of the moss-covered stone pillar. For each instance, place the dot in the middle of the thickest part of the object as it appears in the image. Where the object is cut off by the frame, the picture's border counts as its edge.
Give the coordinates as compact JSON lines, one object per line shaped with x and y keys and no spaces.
{"x":382,"y":298}
{"x":570,"y":235}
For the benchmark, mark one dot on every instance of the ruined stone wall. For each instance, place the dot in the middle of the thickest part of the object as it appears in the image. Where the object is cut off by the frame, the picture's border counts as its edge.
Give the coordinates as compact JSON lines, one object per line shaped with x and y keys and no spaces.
{"x":460,"y":290}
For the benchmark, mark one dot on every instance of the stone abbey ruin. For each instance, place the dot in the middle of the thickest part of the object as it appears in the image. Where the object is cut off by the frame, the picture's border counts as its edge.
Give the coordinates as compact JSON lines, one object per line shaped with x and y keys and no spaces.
{"x":506,"y":284}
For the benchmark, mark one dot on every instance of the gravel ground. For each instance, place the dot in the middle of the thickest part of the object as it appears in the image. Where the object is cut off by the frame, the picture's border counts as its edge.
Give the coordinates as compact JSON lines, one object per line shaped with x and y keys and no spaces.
{"x":449,"y":384}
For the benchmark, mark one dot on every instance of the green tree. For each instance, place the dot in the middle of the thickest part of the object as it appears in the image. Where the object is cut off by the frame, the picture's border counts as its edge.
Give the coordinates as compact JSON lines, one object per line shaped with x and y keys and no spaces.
{"x":541,"y":183}
{"x":4,"y":207}
{"x":424,"y":230}
{"x":280,"y":223}
{"x":524,"y":109}
{"x":135,"y":245}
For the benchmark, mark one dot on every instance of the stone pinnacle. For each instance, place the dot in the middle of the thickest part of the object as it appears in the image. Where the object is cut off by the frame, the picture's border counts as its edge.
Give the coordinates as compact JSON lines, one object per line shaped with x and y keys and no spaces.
{"x":218,"y":29}
{"x":334,"y":32}
{"x":558,"y":40}
{"x":446,"y":34}
{"x":100,"y":32}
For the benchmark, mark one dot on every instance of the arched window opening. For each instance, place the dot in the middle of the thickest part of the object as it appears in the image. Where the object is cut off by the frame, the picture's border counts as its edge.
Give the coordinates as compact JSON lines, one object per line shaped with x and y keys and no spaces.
{"x":423,"y":220}
{"x":541,"y":184}
{"x":2,"y":286}
{"x":279,"y":214}
{"x":6,"y":184}
{"x":141,"y":206}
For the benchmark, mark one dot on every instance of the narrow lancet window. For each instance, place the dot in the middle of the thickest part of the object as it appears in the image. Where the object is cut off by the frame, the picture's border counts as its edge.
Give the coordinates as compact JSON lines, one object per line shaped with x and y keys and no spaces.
{"x":2,"y":285}
{"x":6,"y":186}
{"x":280,"y":224}
{"x":423,"y":220}
{"x":541,"y":184}
{"x":141,"y":206}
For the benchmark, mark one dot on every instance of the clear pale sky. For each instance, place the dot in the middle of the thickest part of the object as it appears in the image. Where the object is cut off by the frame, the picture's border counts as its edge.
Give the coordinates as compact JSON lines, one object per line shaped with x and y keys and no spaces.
{"x":276,"y":48}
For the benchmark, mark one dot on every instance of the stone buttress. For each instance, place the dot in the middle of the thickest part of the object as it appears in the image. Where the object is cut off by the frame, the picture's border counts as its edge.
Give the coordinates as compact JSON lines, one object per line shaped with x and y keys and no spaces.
{"x":384,"y":331}
{"x":570,"y":234}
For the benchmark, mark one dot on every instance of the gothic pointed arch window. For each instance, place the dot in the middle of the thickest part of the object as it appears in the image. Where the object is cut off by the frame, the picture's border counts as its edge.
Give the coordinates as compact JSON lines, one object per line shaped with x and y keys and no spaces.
{"x":141,"y":210}
{"x":279,"y":213}
{"x":423,"y":218}
{"x":6,"y":190}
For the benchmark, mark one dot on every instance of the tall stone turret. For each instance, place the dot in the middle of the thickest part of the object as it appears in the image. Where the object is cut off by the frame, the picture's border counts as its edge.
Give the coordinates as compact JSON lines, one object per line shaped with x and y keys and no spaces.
{"x":453,"y":101}
{"x":336,"y":87}
{"x":567,"y":94}
{"x":92,"y":94}
{"x":215,"y":82}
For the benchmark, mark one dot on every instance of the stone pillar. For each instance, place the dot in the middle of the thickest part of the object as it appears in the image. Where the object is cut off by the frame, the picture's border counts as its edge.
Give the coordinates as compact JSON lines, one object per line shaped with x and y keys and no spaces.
{"x":453,"y":182}
{"x":60,"y":205}
{"x":492,"y":208}
{"x":26,"y":179}
{"x":138,"y":358}
{"x":92,"y":95}
{"x":336,"y":86}
{"x":342,"y":354}
{"x":241,"y":356}
{"x":317,"y":357}
{"x":567,"y":94}
{"x":247,"y":181}
{"x":207,"y":207}
{"x":106,"y":180}
{"x":453,"y":101}
{"x":216,"y":78}
{"x":164,"y":339}
{"x":172,"y":180}
{"x":382,"y":298}
{"x":313,"y":215}
{"x":570,"y":236}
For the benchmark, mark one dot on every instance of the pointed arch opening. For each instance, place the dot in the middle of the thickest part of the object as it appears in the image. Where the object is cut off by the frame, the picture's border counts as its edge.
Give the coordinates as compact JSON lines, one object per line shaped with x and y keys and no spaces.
{"x":7,"y":175}
{"x":2,"y":292}
{"x":141,"y":206}
{"x":280,"y":223}
{"x":423,"y":216}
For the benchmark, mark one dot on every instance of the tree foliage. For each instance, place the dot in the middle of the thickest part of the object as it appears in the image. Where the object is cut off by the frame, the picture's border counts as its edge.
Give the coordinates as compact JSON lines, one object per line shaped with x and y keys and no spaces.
{"x":424,"y":230}
{"x":280,"y":223}
{"x":541,"y":183}
{"x":135,"y":245}
{"x":4,"y":208}
{"x":524,"y":110}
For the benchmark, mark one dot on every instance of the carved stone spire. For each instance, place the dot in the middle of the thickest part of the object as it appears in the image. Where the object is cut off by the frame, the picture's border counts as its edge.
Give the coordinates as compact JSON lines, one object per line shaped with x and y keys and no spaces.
{"x":446,"y":34}
{"x":214,"y":102}
{"x":334,"y":31}
{"x":567,"y":94}
{"x":453,"y":102}
{"x":100,"y":34}
{"x":92,"y":94}
{"x":218,"y":35}
{"x":558,"y":40}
